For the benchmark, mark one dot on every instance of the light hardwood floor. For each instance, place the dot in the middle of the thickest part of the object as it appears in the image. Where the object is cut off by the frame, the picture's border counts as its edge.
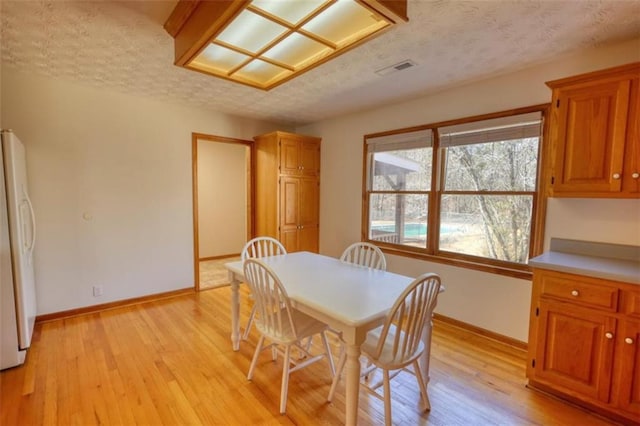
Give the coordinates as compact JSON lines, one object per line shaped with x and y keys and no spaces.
{"x":170,"y":362}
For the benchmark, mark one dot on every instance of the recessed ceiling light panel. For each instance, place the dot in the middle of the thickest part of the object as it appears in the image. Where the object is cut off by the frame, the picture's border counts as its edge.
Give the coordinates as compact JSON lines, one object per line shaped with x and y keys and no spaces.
{"x":291,"y":11}
{"x":264,"y":43}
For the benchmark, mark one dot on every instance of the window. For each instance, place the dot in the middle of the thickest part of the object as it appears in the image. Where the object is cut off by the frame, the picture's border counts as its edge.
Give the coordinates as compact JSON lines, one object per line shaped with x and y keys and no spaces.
{"x":465,"y":191}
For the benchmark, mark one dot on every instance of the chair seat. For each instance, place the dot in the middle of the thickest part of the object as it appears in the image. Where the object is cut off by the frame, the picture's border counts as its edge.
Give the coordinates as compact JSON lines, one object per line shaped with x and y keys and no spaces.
{"x":387,"y":359}
{"x":306,"y":326}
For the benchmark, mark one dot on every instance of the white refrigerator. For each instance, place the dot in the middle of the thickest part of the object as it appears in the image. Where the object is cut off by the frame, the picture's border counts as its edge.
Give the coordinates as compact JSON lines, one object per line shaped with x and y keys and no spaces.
{"x":18,"y":232}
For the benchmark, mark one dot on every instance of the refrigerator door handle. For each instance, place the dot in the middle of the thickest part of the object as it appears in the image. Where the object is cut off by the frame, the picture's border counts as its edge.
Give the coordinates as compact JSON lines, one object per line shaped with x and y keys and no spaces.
{"x":33,"y":221}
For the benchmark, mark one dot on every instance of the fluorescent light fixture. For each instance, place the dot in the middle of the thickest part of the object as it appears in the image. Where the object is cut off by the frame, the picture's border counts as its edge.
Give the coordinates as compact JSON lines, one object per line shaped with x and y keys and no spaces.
{"x":264,"y":43}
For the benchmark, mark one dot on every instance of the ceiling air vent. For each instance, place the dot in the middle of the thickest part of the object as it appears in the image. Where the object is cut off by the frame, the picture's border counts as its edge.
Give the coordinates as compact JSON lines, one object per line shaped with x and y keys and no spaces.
{"x":397,"y":67}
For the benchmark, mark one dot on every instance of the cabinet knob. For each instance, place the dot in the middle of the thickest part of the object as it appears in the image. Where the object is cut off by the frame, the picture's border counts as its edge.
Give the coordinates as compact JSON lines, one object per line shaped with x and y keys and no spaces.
{"x":628,"y":341}
{"x":608,"y":335}
{"x":635,"y":175}
{"x":575,"y":293}
{"x":616,"y":176}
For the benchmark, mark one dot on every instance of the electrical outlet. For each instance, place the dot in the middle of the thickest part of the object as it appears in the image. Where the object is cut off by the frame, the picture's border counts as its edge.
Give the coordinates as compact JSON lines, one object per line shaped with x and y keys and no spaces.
{"x":97,"y":290}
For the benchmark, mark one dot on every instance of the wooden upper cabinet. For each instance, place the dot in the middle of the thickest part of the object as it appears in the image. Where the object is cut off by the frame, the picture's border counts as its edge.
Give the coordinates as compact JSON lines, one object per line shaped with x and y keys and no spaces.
{"x":594,"y":134}
{"x":299,"y":156}
{"x":631,"y":167}
{"x":591,"y":137}
{"x":289,"y":155}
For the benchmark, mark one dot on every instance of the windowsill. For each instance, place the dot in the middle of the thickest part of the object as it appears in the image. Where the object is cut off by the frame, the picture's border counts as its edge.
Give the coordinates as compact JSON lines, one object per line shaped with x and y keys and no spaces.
{"x":524,"y":273}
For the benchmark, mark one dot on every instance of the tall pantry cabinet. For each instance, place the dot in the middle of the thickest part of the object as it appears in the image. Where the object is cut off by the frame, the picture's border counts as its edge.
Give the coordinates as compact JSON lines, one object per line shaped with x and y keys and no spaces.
{"x":287,"y":189}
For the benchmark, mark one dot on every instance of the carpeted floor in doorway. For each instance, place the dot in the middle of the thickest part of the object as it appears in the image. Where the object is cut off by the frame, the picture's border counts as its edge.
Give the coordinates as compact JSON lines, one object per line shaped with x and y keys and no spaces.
{"x":213,"y":273}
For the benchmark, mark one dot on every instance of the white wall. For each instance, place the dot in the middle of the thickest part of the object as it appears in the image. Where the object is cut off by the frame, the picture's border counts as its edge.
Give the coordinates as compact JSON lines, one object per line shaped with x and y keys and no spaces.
{"x":222,"y":198}
{"x":490,"y":301}
{"x":110,"y":177}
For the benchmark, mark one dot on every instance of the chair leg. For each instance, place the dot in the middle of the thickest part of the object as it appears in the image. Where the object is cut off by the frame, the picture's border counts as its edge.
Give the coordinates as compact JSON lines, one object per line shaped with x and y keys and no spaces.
{"x":343,"y":350}
{"x":422,"y":385}
{"x":255,"y":357}
{"x":336,"y":378}
{"x":285,"y":380}
{"x":306,"y":347}
{"x":247,"y":329}
{"x":387,"y":398}
{"x":368,"y":369}
{"x":327,"y":351}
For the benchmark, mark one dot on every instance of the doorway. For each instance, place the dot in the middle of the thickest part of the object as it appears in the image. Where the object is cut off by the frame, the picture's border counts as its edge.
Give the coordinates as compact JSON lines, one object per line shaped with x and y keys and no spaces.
{"x":222,"y":205}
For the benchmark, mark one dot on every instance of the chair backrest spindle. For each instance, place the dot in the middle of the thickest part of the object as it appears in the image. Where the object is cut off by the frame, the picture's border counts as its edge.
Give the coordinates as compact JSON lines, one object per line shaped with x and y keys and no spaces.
{"x":364,"y":254}
{"x":271,"y":298}
{"x":262,"y":247}
{"x":409,"y":315}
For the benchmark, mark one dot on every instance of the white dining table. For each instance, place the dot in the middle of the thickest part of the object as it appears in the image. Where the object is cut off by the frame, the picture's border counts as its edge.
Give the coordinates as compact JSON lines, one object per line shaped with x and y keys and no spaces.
{"x":349,"y":298}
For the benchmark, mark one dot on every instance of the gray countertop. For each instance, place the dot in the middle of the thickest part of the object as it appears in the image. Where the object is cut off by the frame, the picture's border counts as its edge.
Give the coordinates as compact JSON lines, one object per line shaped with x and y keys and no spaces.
{"x":600,"y":260}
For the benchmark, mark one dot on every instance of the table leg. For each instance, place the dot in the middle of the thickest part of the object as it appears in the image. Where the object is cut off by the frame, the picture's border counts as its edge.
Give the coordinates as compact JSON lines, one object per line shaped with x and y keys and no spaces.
{"x":353,"y":384}
{"x":235,"y":312}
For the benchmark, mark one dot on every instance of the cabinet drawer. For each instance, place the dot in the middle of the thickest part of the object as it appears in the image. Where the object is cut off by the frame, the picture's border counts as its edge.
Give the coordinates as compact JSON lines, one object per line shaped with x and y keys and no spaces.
{"x":580,"y":292}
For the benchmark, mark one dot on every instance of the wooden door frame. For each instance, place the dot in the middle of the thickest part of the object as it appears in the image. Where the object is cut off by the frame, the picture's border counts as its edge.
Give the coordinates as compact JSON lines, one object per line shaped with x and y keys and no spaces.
{"x":195,"y":137}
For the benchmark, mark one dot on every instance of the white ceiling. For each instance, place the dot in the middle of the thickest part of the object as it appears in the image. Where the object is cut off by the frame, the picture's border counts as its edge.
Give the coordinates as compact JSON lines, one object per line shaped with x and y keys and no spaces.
{"x":123,"y":46}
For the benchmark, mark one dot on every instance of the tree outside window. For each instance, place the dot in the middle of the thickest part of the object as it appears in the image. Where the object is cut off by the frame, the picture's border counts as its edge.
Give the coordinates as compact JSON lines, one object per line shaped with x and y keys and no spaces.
{"x":464,"y":190}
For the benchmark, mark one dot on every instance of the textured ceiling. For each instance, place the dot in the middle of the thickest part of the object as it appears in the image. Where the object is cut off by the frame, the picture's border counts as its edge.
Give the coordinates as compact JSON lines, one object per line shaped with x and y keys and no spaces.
{"x":123,"y":46}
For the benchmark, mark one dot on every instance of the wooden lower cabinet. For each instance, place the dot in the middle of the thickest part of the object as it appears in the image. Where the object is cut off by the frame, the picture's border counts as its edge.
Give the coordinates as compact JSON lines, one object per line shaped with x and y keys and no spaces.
{"x":627,"y":394}
{"x":299,"y":213}
{"x":583,"y":342}
{"x":300,"y":239}
{"x":574,"y":353}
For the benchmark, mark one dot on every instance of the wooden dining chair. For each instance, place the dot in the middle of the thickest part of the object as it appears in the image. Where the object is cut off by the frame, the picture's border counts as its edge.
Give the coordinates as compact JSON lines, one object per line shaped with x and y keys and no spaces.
{"x":283,"y":325}
{"x":364,"y":254}
{"x":398,"y":342}
{"x":256,"y":248}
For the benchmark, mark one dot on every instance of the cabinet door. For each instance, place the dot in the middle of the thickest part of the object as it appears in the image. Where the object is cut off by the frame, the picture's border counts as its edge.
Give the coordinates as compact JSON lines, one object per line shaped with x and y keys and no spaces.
{"x":310,"y":158}
{"x":309,"y":214}
{"x":289,"y":219}
{"x":628,"y":368}
{"x":631,"y":173}
{"x":290,"y":161}
{"x":308,"y":239}
{"x":589,"y":135}
{"x":309,"y":203}
{"x":299,"y":213}
{"x":289,"y":239}
{"x":575,"y":350}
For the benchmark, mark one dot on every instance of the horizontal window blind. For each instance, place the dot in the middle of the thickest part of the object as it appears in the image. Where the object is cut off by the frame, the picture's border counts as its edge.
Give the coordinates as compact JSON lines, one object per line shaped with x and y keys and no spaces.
{"x":399,"y":141}
{"x":493,"y":130}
